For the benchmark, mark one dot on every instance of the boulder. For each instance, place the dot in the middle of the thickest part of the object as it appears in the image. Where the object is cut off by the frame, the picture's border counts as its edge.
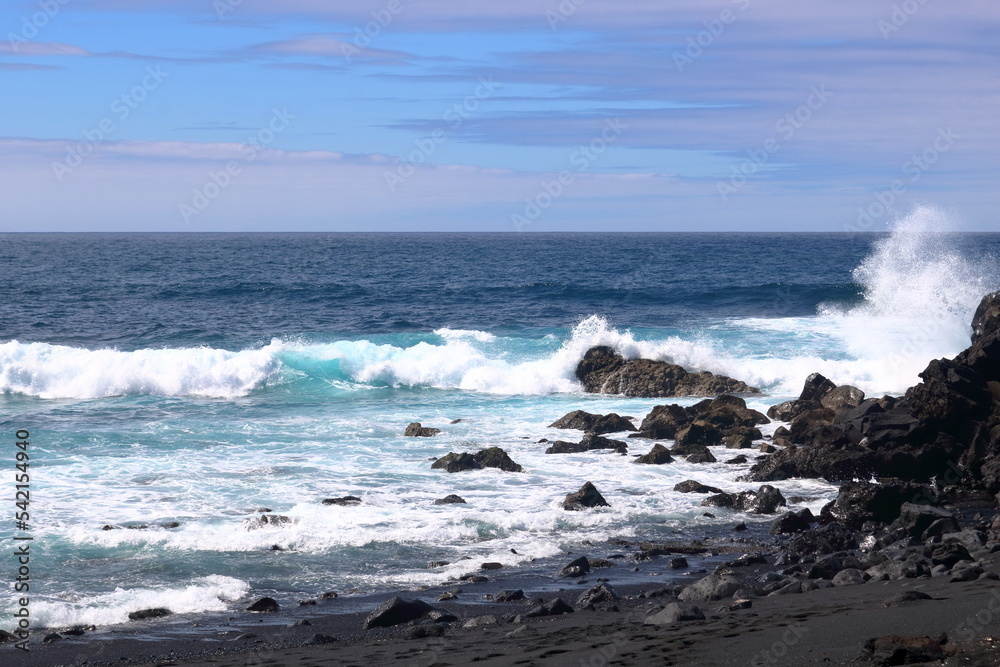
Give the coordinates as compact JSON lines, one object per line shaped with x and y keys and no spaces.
{"x":695,"y":436}
{"x":160,"y":612}
{"x":601,"y":596}
{"x":792,"y":522}
{"x":495,"y":457}
{"x":815,"y":388}
{"x":663,"y":421}
{"x":603,"y":370}
{"x":596,"y":424}
{"x":658,"y":455}
{"x":914,"y":519}
{"x":828,"y":539}
{"x":905,"y":596}
{"x":701,"y":455}
{"x":691,"y":486}
{"x":264,"y":605}
{"x":849,"y":577}
{"x":675,"y":612}
{"x":860,"y":502}
{"x":555,"y":607}
{"x":396,"y":611}
{"x":587,"y":496}
{"x":509,"y":596}
{"x":710,"y":588}
{"x":415,"y":430}
{"x":575,"y":568}
{"x":453,"y":462}
{"x":841,"y":397}
{"x":588,"y":443}
{"x":789,"y":410}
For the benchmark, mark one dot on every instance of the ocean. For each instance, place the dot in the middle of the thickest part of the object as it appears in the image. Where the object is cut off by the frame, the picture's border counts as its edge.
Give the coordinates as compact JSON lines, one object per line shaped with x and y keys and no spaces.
{"x":197,"y":378}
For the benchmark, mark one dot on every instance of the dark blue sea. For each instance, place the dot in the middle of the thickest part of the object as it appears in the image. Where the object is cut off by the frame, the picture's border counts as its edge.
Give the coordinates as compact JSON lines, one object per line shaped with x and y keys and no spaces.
{"x":196,"y":378}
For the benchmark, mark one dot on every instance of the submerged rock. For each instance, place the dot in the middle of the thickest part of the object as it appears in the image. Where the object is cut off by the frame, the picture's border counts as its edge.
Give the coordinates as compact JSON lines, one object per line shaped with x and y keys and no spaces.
{"x":267,"y":520}
{"x":346,"y":501}
{"x":592,"y":423}
{"x":264,"y":605}
{"x":145,"y":614}
{"x":450,"y":499}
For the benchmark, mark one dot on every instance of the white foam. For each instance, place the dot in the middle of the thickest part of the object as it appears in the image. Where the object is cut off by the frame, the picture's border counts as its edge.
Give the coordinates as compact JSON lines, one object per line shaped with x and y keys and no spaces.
{"x":59,"y":371}
{"x":457,"y":334}
{"x":212,"y":593}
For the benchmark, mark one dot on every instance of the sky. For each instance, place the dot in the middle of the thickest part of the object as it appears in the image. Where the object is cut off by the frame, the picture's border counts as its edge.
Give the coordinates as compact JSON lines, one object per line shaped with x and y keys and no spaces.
{"x":524,"y":116}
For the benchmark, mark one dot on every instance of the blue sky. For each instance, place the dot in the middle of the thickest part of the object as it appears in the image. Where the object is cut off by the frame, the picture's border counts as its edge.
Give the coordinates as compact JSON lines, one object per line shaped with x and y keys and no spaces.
{"x":526,"y":116}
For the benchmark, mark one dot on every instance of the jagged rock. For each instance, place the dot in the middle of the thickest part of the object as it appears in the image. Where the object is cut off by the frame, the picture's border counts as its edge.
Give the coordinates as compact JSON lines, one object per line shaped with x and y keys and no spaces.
{"x":587,"y":496}
{"x":815,"y":388}
{"x":157,"y":612}
{"x":495,"y":457}
{"x":396,"y":611}
{"x":415,"y":430}
{"x":739,"y":440}
{"x":658,"y":455}
{"x":450,"y":499}
{"x":346,"y":500}
{"x":727,"y":500}
{"x":737,"y":460}
{"x":601,"y":596}
{"x":454,"y":462}
{"x":827,"y":567}
{"x":603,"y":370}
{"x":588,"y":443}
{"x":691,"y":486}
{"x":949,"y":554}
{"x":575,"y":568}
{"x":803,"y":425}
{"x":675,"y":613}
{"x":264,"y":605}
{"x":591,"y":423}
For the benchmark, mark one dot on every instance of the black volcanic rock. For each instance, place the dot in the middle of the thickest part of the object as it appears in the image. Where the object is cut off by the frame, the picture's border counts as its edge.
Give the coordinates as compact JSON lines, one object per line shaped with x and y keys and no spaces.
{"x":495,"y":457}
{"x":604,"y":371}
{"x":658,"y":455}
{"x":587,"y":496}
{"x":591,"y":423}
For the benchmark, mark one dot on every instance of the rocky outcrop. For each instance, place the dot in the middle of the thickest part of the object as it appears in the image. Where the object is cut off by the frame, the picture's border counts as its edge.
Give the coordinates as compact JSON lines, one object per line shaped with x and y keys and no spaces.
{"x":604,"y":371}
{"x":591,"y":423}
{"x":588,"y":443}
{"x":396,"y":611}
{"x":491,"y":457}
{"x":948,"y":424}
{"x":765,"y":500}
